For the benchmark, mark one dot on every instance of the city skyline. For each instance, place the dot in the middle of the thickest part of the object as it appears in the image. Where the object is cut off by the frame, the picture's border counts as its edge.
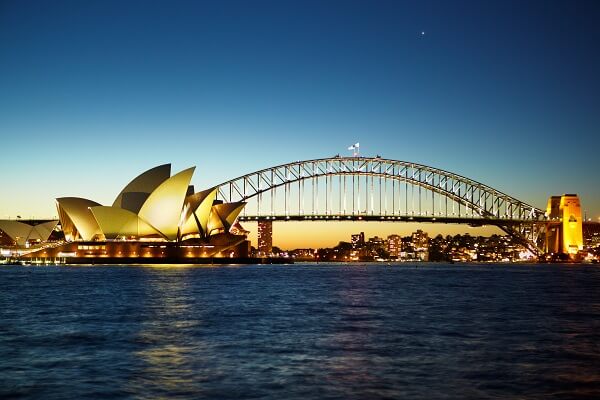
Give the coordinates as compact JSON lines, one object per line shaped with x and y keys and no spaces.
{"x":503,"y":93}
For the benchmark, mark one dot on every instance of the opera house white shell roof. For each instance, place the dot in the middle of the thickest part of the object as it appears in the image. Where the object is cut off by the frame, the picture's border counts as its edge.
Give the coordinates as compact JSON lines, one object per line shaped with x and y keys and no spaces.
{"x":21,"y":233}
{"x":154,"y":205}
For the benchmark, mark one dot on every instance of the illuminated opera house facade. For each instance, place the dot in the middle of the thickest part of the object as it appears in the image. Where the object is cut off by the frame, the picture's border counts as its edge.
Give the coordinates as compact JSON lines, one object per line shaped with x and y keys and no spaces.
{"x":155,"y":217}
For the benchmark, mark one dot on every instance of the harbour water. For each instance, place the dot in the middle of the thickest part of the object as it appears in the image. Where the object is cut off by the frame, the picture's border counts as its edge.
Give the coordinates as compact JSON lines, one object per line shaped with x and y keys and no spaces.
{"x":300,"y":331}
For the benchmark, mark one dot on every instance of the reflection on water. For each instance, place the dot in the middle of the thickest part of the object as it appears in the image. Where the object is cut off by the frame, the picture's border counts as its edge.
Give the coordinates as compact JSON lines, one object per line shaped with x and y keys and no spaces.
{"x":166,"y":356}
{"x":350,"y":336}
{"x":300,"y":332}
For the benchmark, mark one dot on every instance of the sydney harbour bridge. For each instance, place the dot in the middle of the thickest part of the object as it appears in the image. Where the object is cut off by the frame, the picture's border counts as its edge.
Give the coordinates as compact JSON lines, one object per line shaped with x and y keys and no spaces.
{"x":377,"y":189}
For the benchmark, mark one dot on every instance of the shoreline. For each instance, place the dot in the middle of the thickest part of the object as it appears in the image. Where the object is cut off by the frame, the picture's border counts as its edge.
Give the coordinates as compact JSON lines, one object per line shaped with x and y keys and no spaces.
{"x":146,"y":261}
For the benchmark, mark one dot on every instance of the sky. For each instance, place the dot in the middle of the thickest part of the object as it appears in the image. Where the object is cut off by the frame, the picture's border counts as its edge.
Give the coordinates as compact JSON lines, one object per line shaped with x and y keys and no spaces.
{"x":93,"y":93}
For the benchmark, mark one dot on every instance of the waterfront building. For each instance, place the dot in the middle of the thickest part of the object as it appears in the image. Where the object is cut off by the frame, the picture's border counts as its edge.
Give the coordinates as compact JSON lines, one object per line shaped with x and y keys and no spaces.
{"x":265,"y":237}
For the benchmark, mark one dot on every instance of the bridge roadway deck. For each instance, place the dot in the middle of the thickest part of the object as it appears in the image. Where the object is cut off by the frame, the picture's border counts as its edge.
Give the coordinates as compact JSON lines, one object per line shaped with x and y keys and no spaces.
{"x":391,"y":218}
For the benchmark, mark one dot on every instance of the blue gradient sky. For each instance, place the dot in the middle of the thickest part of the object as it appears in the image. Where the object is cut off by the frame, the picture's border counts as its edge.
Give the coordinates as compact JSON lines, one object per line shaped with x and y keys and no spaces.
{"x":93,"y":93}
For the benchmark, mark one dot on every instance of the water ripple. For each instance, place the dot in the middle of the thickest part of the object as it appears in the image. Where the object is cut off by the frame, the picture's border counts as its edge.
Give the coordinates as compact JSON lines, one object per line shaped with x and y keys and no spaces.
{"x":300,"y":332}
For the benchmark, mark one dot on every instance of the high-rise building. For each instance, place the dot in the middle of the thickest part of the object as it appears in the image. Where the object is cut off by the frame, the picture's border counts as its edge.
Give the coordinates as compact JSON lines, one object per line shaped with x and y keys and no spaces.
{"x":420,"y":239}
{"x":394,"y":245}
{"x":376,"y":242}
{"x":420,"y":244}
{"x":358,"y":240}
{"x":265,"y":237}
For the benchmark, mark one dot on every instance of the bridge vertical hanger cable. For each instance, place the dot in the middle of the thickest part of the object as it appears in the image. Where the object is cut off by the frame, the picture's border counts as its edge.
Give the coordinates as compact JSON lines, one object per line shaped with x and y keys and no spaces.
{"x":354,"y":197}
{"x":379,"y":179}
{"x":439,"y":198}
{"x":453,"y":209}
{"x":341,"y":191}
{"x":412,"y":194}
{"x":317,"y":197}
{"x":420,"y":200}
{"x":433,"y":197}
{"x":358,"y":210}
{"x":369,"y":195}
{"x":393,"y":192}
{"x":285,"y":194}
{"x":259,"y":197}
{"x":353,"y":186}
{"x":314,"y":196}
{"x":244,"y":188}
{"x":385,"y":200}
{"x":373,"y":196}
{"x":326,"y":188}
{"x":344,"y":192}
{"x":446,"y":189}
{"x":301,"y":195}
{"x":459,"y":204}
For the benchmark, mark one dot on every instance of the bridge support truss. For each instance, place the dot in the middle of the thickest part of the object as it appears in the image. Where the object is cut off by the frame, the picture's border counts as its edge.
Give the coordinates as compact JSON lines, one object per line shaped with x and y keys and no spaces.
{"x":355,"y":188}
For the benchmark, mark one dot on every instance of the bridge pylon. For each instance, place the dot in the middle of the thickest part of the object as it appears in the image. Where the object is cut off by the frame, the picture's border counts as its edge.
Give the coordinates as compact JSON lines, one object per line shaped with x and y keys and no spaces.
{"x":564,"y":232}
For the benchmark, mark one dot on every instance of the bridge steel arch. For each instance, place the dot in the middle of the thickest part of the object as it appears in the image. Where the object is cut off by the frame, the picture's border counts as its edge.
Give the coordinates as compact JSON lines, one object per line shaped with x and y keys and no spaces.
{"x":484,"y":204}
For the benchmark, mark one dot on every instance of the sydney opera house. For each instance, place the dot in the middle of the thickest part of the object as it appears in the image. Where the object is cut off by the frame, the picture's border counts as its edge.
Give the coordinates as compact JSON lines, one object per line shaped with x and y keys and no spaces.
{"x":156,"y":217}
